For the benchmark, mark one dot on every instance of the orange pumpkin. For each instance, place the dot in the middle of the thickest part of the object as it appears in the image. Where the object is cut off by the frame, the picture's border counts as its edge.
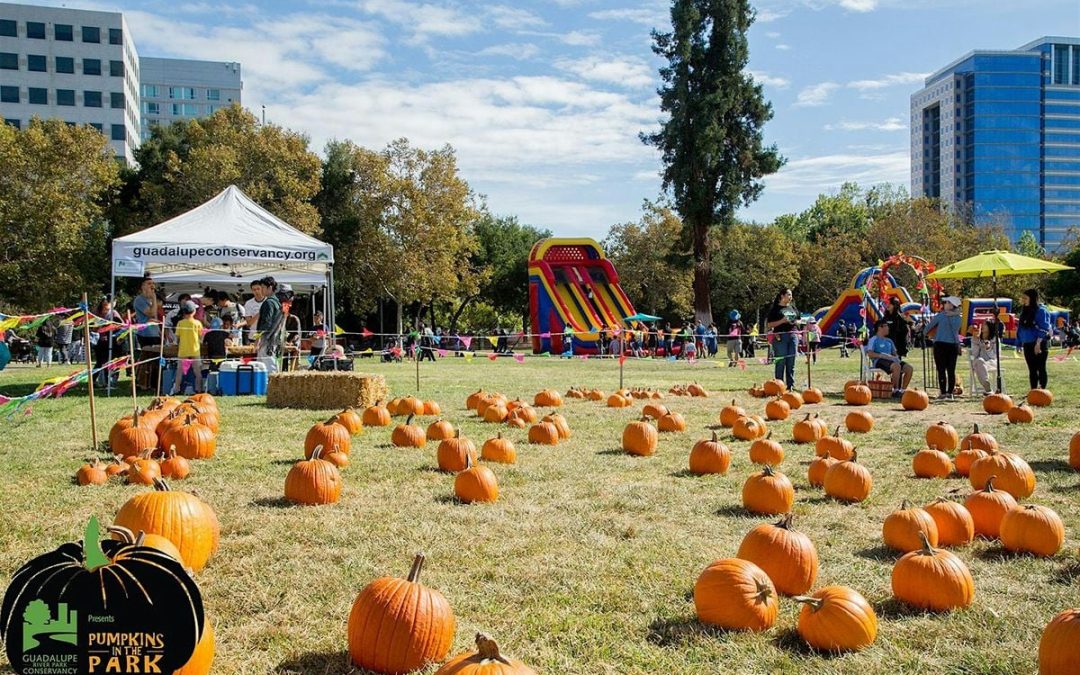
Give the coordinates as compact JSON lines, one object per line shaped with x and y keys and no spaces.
{"x":709,"y":456}
{"x":774,"y":387}
{"x":349,"y":419}
{"x":813,"y":395}
{"x":654,"y":410}
{"x":134,"y":439}
{"x":376,"y":416}
{"x":399,"y":625}
{"x":191,"y":439}
{"x":560,"y":425}
{"x":769,"y":492}
{"x":932,"y":578}
{"x":1021,"y":414}
{"x":834,"y":446}
{"x":697,"y":390}
{"x":913,"y":399}
{"x":525,"y":413}
{"x":144,"y":470}
{"x":182,"y":518}
{"x":1033,"y":529}
{"x":730,"y":413}
{"x":965,"y":458}
{"x":595,"y":395}
{"x":439,"y":430}
{"x":313,"y":481}
{"x":756,"y":391}
{"x":117,"y":467}
{"x":640,"y":438}
{"x":735,"y":594}
{"x":806,"y":430}
{"x":543,"y":433}
{"x":987,"y":507}
{"x":495,"y":412}
{"x":1059,"y":646}
{"x":1040,"y":398}
{"x":174,"y":466}
{"x":785,"y":554}
{"x":92,"y":473}
{"x":476,"y":484}
{"x":619,"y":401}
{"x":203,"y":657}
{"x":997,"y":404}
{"x":672,"y":422}
{"x":766,"y":451}
{"x":954,"y":522}
{"x":455,"y":453}
{"x":815,"y":475}
{"x":777,"y":409}
{"x":474,"y":399}
{"x":979,"y":440}
{"x":329,"y":435}
{"x":498,"y":449}
{"x":408,"y":435}
{"x":848,"y":481}
{"x":904,"y":530}
{"x":1074,"y":451}
{"x":794,"y":400}
{"x":859,"y":421}
{"x":931,"y":463}
{"x":1014,"y":475}
{"x":548,"y":398}
{"x":486,"y":660}
{"x":410,"y":405}
{"x":748,"y":428}
{"x":836,"y":619}
{"x":432,"y":408}
{"x":857,"y":394}
{"x":943,"y":436}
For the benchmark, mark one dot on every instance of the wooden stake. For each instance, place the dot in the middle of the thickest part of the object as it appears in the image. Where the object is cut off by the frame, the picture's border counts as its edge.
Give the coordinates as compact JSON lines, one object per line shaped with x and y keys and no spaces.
{"x":161,"y":355}
{"x":417,"y":353}
{"x":89,"y":371}
{"x":131,"y":356}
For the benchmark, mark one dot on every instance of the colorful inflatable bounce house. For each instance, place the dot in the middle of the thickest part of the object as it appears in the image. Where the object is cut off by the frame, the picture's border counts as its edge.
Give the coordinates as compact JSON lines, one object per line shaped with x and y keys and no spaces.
{"x":572,"y":284}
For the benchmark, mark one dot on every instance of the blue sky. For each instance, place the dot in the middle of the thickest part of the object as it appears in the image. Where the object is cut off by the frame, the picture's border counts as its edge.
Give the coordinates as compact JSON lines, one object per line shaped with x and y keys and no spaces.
{"x":543,"y":99}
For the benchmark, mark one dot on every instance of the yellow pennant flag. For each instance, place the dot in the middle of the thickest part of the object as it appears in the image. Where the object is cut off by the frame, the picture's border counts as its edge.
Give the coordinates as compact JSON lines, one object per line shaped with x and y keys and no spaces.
{"x":468,"y":356}
{"x":338,"y":330}
{"x":366,"y":351}
{"x":10,"y":322}
{"x":493,"y":339}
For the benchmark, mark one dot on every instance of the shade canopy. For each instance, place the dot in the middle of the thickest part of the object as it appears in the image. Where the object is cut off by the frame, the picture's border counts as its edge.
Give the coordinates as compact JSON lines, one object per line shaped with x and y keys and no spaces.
{"x":996,"y":264}
{"x":228,"y":240}
{"x":642,"y":317}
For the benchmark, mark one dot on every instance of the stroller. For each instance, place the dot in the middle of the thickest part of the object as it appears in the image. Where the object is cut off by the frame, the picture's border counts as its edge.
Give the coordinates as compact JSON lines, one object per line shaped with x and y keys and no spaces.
{"x":391,"y":351}
{"x":22,"y":350}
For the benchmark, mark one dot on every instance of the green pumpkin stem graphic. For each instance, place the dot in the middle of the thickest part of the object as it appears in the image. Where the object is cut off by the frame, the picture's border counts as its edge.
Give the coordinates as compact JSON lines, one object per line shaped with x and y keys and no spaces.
{"x":92,"y":553}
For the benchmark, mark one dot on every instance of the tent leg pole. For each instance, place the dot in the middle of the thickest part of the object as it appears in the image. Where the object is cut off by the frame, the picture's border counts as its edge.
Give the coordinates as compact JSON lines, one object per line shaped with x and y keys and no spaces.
{"x":112,"y":299}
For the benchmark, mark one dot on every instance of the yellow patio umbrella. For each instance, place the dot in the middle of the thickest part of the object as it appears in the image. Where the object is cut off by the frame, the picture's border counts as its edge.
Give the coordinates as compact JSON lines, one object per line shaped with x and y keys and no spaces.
{"x":994,"y":264}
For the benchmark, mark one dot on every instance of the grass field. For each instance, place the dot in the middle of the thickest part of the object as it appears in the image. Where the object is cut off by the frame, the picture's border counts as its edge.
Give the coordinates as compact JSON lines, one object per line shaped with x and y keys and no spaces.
{"x":587,"y":562}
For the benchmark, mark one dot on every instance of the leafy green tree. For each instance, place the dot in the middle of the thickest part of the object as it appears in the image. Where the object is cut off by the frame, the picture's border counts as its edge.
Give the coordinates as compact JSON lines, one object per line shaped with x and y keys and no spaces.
{"x":501,"y":262}
{"x":653,"y":271}
{"x":713,"y":152}
{"x":1028,"y":245}
{"x":54,"y":181}
{"x":1064,"y":287}
{"x":750,"y":264}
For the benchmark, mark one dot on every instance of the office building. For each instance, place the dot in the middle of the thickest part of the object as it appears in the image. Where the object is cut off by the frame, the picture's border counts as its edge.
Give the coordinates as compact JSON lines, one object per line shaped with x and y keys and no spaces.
{"x":78,"y":65}
{"x":999,"y":132}
{"x":177,"y":89}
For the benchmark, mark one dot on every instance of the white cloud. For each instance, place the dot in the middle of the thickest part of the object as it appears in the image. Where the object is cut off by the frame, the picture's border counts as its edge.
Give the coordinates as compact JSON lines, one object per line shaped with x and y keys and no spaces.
{"x":770,"y":80}
{"x":890,"y":124}
{"x":514,"y":18}
{"x":423,"y":20}
{"x":783,"y":47}
{"x":814,"y":175}
{"x":859,"y":5}
{"x":642,"y":15}
{"x":888,"y":81}
{"x":580,"y":38}
{"x":513,"y":50}
{"x":816,"y":95}
{"x":772,"y":34}
{"x":626,"y":71}
{"x":765,"y":15}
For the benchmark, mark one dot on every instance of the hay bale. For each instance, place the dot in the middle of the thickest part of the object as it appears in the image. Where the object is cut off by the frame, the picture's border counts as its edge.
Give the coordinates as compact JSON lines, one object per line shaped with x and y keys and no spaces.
{"x":314,"y":390}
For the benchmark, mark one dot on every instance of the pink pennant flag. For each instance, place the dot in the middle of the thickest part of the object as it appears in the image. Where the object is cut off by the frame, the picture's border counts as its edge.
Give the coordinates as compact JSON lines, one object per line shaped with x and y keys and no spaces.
{"x":622,"y":359}
{"x":467,"y":341}
{"x":1062,"y":357}
{"x":583,"y":357}
{"x":742,"y":364}
{"x":545,"y":335}
{"x":185,"y":366}
{"x":442,"y":353}
{"x":520,"y":358}
{"x":492,"y":356}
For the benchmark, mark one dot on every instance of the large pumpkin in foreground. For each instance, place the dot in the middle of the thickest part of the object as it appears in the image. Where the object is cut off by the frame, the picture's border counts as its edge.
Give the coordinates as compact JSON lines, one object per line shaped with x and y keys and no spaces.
{"x":933,"y":578}
{"x":181,"y":517}
{"x":1059,"y":648}
{"x":836,"y":619}
{"x":785,"y":554}
{"x":735,"y":594}
{"x":399,"y":625}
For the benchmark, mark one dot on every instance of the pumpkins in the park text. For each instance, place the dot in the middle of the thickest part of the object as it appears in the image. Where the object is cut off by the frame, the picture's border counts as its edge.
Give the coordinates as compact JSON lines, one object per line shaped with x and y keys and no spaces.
{"x":408,"y":435}
{"x":439,"y":430}
{"x":1013,"y":474}
{"x":181,"y":517}
{"x":709,"y":455}
{"x":329,"y":435}
{"x":859,"y":421}
{"x":203,"y":657}
{"x":351,"y":420}
{"x":794,"y":400}
{"x":931,"y":463}
{"x":400,"y":625}
{"x":121,"y":587}
{"x":476,"y":483}
{"x":857,"y":394}
{"x":640,"y":438}
{"x":1021,"y":414}
{"x":913,"y":399}
{"x":654,"y":410}
{"x":735,"y":594}
{"x":498,"y":449}
{"x":848,"y":481}
{"x":1040,"y":398}
{"x":834,"y":446}
{"x":134,"y":439}
{"x":313,"y":481}
{"x":768,"y":492}
{"x":1034,"y":529}
{"x":932,"y":578}
{"x":543,"y":433}
{"x":806,"y":430}
{"x":904,"y":530}
{"x":979,"y":440}
{"x":1059,"y":646}
{"x":774,"y":387}
{"x":812,"y":395}
{"x":730,"y":413}
{"x":943,"y":436}
{"x":486,"y":660}
{"x":92,"y":473}
{"x":836,"y":619}
{"x":766,"y":451}
{"x":1074,"y":451}
{"x":560,"y":425}
{"x":777,"y":409}
{"x":455,"y":453}
{"x":955,"y":525}
{"x":785,"y":554}
{"x":376,"y":416}
{"x":548,"y":398}
{"x":748,"y":428}
{"x":815,"y":474}
{"x":965,"y":458}
{"x":988,"y":507}
{"x":672,"y":422}
{"x":997,"y":404}
{"x":191,"y":439}
{"x":173,"y":466}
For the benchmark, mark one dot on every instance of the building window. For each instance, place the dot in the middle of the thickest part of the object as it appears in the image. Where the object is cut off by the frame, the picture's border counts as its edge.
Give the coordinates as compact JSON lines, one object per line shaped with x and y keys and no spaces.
{"x":1076,"y":64}
{"x":98,"y":126}
{"x":91,"y":66}
{"x":14,"y":123}
{"x":8,"y":28}
{"x":9,"y":61}
{"x":185,"y":110}
{"x":150,"y":91}
{"x":211,"y":109}
{"x":182,"y":93}
{"x":116,"y":68}
{"x":65,"y":64}
{"x":65,"y":97}
{"x":116,"y":100}
{"x":92,"y":99}
{"x":35,"y":63}
{"x":9,"y":94}
{"x":151,"y":108}
{"x":116,"y":36}
{"x":119,"y":133}
{"x":63,"y":32}
{"x":213,"y":94}
{"x":38,"y":95}
{"x":91,"y":34}
{"x":35,"y":30}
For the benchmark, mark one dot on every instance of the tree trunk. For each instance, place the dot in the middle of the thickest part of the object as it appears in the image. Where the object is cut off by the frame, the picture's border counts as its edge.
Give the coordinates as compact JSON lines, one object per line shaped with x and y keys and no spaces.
{"x":457,"y":314}
{"x":702,"y":274}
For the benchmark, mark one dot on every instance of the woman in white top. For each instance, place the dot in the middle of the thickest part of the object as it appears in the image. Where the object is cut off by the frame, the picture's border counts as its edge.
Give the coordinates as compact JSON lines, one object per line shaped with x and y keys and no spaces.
{"x":984,"y":355}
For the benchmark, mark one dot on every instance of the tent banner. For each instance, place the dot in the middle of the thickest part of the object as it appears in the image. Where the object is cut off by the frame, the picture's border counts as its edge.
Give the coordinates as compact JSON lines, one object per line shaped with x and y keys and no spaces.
{"x":127,"y":267}
{"x":180,"y":253}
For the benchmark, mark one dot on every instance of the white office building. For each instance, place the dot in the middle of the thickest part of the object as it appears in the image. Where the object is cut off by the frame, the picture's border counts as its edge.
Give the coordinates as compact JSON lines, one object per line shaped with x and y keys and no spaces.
{"x":77,"y":65}
{"x":179,"y":89}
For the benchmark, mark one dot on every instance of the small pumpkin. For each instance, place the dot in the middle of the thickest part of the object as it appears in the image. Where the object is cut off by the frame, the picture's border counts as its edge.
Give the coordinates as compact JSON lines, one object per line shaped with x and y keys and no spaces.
{"x":654,"y":410}
{"x":931,"y":463}
{"x":1021,"y":414}
{"x":640,"y":438}
{"x":788,"y":556}
{"x":143,"y":539}
{"x":313,"y":481}
{"x":1033,"y":529}
{"x":774,"y":387}
{"x":410,"y":405}
{"x":92,"y":473}
{"x":836,"y":619}
{"x":848,"y":481}
{"x":697,"y":390}
{"x":672,"y":422}
{"x":735,"y":594}
{"x":327,"y":434}
{"x":794,"y":400}
{"x":1074,"y":451}
{"x":709,"y":456}
{"x":954,"y":522}
{"x":516,"y":422}
{"x":812,"y":395}
{"x":619,"y":401}
{"x":748,"y":428}
{"x":943,"y":436}
{"x":768,"y":492}
{"x":595,"y":395}
{"x":766,"y":451}
{"x":174,"y":466}
{"x":543,"y":433}
{"x":474,"y":399}
{"x":203,"y":657}
{"x":476,"y":483}
{"x":547,"y":398}
{"x":1059,"y":646}
{"x":834,"y":446}
{"x":498,"y":449}
{"x":144,"y":470}
{"x":439,"y":430}
{"x":756,"y":391}
{"x":432,"y":409}
{"x":486,"y":660}
{"x":997,"y":404}
{"x":806,"y":430}
{"x":913,"y":399}
{"x":191,"y":439}
{"x":904,"y":529}
{"x":1040,"y":398}
{"x":988,"y":507}
{"x":979,"y":440}
{"x":495,"y":412}
{"x":857,"y":394}
{"x":574,"y":392}
{"x":777,"y":409}
{"x":932,"y":578}
{"x":337,"y":458}
{"x":859,"y":421}
{"x":351,"y":420}
{"x":454,"y":453}
{"x":815,"y":474}
{"x":376,"y":416}
{"x":408,"y":435}
{"x":965,"y":458}
{"x":1014,"y":475}
{"x":525,"y":413}
{"x":117,"y":466}
{"x":560,"y":425}
{"x":730,"y":413}
{"x":134,"y":439}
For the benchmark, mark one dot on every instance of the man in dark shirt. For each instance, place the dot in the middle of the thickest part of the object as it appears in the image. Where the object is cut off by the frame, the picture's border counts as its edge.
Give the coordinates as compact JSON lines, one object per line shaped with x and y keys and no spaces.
{"x":268,"y":328}
{"x":899,"y":326}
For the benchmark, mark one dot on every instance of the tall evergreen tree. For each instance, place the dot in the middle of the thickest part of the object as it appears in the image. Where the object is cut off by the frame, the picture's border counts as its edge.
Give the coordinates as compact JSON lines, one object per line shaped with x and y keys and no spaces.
{"x":713,"y":153}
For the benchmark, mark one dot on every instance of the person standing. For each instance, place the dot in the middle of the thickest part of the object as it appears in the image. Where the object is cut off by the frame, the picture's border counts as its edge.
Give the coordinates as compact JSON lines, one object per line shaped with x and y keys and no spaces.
{"x":251,"y":309}
{"x":268,"y":326}
{"x":899,"y":326}
{"x":225,"y":306}
{"x":666,"y":333}
{"x":1033,"y":335}
{"x":46,"y":338}
{"x":781,"y":320}
{"x":107,"y":345}
{"x":62,"y":343}
{"x":147,"y":308}
{"x":813,"y":338}
{"x":984,"y":354}
{"x":189,"y":346}
{"x":318,"y":339}
{"x":842,"y":337}
{"x":947,"y":344}
{"x":734,"y":340}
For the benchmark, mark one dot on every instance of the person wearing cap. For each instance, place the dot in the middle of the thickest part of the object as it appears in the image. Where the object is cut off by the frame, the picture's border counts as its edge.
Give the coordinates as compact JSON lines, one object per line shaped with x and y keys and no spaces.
{"x":734,"y":342}
{"x":189,"y":333}
{"x":899,"y":326}
{"x":944,"y":328}
{"x":882,"y":353}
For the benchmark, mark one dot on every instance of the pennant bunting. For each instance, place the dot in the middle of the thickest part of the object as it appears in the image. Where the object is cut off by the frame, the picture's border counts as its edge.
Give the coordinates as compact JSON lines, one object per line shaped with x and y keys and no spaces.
{"x":622,"y":359}
{"x":469,"y":356}
{"x":442,"y":353}
{"x":465,"y":340}
{"x":366,"y":333}
{"x":492,"y":356}
{"x":520,"y":358}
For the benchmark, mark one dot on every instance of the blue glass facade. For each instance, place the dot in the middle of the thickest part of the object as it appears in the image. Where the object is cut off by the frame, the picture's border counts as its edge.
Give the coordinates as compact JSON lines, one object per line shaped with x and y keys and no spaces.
{"x":1008,"y":143}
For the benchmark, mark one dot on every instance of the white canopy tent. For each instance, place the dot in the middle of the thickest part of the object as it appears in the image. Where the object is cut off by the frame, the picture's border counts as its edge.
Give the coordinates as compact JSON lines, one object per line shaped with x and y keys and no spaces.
{"x":225,"y":244}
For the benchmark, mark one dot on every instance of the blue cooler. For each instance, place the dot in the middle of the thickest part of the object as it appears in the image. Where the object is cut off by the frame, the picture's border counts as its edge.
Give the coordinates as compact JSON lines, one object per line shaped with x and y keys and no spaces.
{"x":242,"y":379}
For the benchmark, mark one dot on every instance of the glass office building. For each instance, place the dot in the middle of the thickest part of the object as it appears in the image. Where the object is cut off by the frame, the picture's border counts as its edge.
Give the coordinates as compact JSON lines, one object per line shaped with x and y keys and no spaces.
{"x":999,"y":132}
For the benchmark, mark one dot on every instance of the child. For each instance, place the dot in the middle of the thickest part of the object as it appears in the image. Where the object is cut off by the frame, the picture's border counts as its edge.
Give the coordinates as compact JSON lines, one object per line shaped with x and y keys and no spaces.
{"x":734,"y":342}
{"x":813,"y":338}
{"x":189,"y":339}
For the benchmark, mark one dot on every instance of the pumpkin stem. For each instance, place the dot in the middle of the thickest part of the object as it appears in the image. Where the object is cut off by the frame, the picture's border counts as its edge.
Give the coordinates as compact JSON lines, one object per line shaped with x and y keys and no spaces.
{"x":457,"y":432}
{"x":768,"y":470}
{"x":94,"y":557}
{"x":126,"y":535}
{"x":854,"y":454}
{"x":785,"y":521}
{"x":331,"y":420}
{"x":408,"y":420}
{"x":905,"y":505}
{"x":837,"y":432}
{"x":418,"y":564}
{"x":714,"y":436}
{"x":468,"y":461}
{"x":488,"y":650}
{"x":976,"y":427}
{"x":815,"y":603}
{"x":316,"y":453}
{"x":160,"y":485}
{"x":927,"y":548}
{"x":989,"y":487}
